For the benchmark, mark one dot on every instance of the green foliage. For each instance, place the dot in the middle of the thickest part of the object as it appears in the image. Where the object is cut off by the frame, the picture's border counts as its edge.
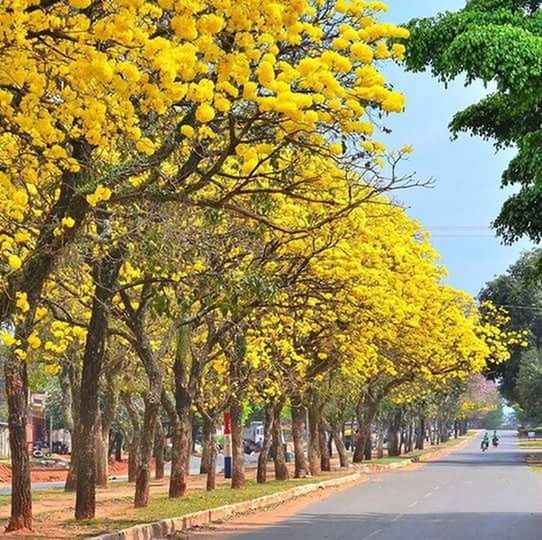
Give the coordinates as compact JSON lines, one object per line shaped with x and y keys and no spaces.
{"x":499,"y":42}
{"x":519,"y":291}
{"x":530,"y":385}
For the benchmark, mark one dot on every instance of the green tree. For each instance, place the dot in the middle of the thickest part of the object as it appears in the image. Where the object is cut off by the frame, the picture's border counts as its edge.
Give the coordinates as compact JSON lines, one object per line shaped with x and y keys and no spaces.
{"x":498,"y":42}
{"x":520,"y":293}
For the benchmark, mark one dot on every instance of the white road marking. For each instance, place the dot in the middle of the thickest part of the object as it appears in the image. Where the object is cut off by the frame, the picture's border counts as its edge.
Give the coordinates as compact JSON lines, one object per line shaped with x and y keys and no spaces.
{"x":374,"y":533}
{"x":412,"y":505}
{"x":397,"y":518}
{"x":428,"y":494}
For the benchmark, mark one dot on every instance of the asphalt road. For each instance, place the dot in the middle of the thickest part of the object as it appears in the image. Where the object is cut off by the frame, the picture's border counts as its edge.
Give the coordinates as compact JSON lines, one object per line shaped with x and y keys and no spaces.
{"x":468,"y":495}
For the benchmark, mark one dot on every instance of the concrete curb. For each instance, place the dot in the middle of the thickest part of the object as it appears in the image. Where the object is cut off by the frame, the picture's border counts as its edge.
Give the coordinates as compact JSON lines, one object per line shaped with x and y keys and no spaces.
{"x":162,"y":529}
{"x":165,"y":527}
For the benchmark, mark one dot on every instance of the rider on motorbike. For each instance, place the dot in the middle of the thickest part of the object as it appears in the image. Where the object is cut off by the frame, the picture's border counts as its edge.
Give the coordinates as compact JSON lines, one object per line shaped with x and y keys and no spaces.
{"x":485,"y":441}
{"x":495,"y":438}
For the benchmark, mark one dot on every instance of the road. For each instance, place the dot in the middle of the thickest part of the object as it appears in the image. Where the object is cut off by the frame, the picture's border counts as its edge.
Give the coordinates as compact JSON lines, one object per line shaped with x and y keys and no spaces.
{"x":464,"y":496}
{"x":194,"y":469}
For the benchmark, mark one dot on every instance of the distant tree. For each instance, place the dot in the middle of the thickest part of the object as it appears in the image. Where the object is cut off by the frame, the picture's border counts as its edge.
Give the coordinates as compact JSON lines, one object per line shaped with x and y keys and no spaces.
{"x":519,"y":291}
{"x":529,"y":386}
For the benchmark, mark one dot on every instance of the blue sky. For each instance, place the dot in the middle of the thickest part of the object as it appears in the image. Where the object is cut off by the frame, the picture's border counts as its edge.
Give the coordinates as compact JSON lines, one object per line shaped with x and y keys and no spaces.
{"x":466,"y":195}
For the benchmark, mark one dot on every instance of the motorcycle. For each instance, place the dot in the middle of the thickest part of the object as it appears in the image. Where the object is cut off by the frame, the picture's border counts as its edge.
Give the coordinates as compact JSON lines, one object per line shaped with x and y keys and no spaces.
{"x":495,"y":442}
{"x":484,"y":446}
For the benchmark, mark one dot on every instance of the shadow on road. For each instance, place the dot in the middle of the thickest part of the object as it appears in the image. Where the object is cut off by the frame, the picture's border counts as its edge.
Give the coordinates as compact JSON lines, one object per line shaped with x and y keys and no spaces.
{"x":381,"y":526}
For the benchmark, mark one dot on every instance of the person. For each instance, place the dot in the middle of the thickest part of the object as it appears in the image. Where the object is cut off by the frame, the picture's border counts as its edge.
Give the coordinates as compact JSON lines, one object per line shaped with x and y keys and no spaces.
{"x":495,"y":438}
{"x":485,"y":441}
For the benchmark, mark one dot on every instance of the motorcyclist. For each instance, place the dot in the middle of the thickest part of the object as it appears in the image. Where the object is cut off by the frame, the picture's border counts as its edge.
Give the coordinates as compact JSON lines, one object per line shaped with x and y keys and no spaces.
{"x":485,"y":441}
{"x":495,"y":438}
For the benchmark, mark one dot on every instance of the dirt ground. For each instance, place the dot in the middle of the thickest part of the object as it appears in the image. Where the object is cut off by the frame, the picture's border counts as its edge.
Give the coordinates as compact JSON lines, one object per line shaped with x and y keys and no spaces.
{"x":45,"y":474}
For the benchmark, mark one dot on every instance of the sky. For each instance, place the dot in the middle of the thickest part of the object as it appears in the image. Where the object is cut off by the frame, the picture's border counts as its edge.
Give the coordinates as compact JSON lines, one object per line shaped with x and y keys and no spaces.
{"x":466,"y":195}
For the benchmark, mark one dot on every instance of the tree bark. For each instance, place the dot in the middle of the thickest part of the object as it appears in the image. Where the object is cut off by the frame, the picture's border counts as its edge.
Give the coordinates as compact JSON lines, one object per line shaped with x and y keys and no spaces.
{"x":365,"y":411}
{"x":298,"y":420}
{"x":101,"y":454}
{"x":70,"y":382}
{"x":211,"y":473}
{"x":325,"y":460}
{"x":341,"y":448}
{"x":269,"y":419}
{"x":314,"y":434}
{"x":118,"y":446}
{"x":105,"y":274}
{"x":143,"y":477}
{"x":238,"y":467}
{"x":380,"y":441}
{"x":180,"y":452}
{"x":279,"y":458}
{"x":393,"y":439}
{"x":134,"y":449}
{"x":207,"y":442}
{"x":159,"y":447}
{"x":21,"y":495}
{"x":420,"y":442}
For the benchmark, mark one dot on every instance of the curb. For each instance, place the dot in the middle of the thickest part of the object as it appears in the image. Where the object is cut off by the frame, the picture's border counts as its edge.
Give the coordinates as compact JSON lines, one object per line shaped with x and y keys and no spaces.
{"x":162,"y":529}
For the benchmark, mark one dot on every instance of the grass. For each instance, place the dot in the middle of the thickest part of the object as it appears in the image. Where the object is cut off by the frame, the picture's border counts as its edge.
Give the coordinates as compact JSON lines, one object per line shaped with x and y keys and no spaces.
{"x":161,"y":507}
{"x":530,"y":444}
{"x":416,"y":453}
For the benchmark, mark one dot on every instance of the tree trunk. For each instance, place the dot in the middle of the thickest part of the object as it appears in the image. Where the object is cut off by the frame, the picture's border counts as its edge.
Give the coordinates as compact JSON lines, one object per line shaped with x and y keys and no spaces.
{"x":21,"y":495}
{"x":208,"y":427}
{"x":101,"y":456}
{"x":180,"y":452}
{"x":143,"y":478}
{"x":298,"y":419}
{"x":118,"y":446}
{"x":211,"y":473}
{"x":325,"y":461}
{"x":261,"y":475}
{"x":71,"y":479}
{"x":159,"y":446}
{"x":105,"y":277}
{"x":279,"y":458}
{"x":380,"y":441}
{"x":238,"y":468}
{"x":365,"y":411}
{"x":402,"y":440}
{"x":314,"y":435}
{"x":134,"y":448}
{"x":341,"y":448}
{"x":410,"y":437}
{"x":368,"y":451}
{"x":393,"y":439}
{"x":420,"y":442}
{"x":70,"y":383}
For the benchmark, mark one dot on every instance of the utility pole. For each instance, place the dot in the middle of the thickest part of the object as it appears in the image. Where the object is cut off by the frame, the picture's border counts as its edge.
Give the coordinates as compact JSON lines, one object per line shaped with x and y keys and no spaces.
{"x":227,"y":444}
